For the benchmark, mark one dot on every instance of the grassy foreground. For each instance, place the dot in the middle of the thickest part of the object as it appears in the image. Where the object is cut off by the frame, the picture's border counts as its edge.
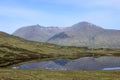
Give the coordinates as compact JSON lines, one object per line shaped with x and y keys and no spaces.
{"x":7,"y":74}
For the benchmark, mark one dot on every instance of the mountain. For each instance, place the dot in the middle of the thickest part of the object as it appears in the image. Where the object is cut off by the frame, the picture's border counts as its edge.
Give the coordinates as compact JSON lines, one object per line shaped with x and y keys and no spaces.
{"x":83,"y":34}
{"x":87,"y":35}
{"x":80,"y":34}
{"x":37,"y":32}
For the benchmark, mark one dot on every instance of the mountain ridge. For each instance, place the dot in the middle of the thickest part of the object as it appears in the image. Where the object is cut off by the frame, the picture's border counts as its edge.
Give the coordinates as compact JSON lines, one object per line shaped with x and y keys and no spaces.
{"x":32,"y":32}
{"x":82,"y":34}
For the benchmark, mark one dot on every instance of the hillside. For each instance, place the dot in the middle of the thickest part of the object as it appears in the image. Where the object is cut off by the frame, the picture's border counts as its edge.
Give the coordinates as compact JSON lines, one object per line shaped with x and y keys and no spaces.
{"x":82,"y":34}
{"x":88,"y":35}
{"x":14,"y":50}
{"x":37,"y":32}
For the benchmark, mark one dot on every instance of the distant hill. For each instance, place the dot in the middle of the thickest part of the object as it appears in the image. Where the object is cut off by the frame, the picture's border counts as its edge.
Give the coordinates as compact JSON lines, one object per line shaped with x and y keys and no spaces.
{"x":83,"y":34}
{"x":37,"y":32}
{"x":88,"y":35}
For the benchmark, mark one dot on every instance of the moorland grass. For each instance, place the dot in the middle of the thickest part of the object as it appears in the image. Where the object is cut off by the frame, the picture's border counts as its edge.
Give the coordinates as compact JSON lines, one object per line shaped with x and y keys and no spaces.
{"x":7,"y":74}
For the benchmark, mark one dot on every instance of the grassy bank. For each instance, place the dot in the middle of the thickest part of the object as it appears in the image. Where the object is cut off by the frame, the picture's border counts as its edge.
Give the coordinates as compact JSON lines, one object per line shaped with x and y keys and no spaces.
{"x":7,"y":74}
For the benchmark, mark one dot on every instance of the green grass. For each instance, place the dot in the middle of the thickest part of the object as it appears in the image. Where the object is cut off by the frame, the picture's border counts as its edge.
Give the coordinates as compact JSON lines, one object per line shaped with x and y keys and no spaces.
{"x":7,"y":74}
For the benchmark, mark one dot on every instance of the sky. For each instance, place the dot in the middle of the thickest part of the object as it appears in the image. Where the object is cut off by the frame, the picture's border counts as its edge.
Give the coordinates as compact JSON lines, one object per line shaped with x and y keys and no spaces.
{"x":15,"y":14}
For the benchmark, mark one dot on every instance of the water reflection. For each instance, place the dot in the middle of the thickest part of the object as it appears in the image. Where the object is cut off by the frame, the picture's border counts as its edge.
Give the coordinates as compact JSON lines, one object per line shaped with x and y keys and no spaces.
{"x":85,"y":63}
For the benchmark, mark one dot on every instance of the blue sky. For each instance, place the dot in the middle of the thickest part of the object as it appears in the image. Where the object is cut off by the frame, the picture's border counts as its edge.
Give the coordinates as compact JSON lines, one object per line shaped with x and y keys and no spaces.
{"x":17,"y":13}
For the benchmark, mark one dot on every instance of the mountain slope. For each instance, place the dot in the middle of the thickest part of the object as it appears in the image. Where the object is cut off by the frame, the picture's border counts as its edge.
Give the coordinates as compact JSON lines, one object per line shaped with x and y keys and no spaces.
{"x":37,"y":32}
{"x":88,"y":35}
{"x":83,"y":34}
{"x":79,"y":34}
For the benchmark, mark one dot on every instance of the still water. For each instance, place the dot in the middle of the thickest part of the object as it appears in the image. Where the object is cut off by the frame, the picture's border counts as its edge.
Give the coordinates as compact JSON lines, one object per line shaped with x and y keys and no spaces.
{"x":85,"y":63}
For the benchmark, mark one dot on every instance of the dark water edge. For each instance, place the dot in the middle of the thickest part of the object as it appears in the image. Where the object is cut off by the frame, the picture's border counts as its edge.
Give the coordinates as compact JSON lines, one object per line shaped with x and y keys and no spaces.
{"x":85,"y":63}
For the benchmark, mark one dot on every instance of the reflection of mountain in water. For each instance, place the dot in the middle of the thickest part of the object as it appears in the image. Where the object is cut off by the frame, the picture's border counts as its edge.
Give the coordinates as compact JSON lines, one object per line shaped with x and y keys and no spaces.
{"x":86,"y":63}
{"x":61,"y":61}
